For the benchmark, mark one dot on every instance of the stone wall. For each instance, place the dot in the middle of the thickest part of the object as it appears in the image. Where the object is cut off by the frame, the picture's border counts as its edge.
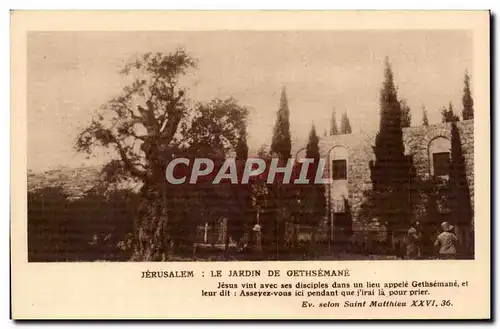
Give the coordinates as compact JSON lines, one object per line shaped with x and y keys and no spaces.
{"x":359,"y":148}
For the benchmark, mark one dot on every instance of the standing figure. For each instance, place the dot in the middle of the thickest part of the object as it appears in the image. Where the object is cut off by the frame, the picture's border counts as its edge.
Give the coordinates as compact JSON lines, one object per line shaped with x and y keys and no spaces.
{"x":447,"y":242}
{"x":413,"y":241}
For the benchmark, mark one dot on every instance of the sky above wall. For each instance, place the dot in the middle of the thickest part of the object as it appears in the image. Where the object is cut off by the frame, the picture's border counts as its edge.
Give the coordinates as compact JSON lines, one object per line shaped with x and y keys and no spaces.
{"x":70,"y":74}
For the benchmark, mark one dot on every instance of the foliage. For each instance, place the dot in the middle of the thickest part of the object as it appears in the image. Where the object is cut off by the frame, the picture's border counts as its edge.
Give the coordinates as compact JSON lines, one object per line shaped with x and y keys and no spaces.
{"x":97,"y":226}
{"x":281,"y":143}
{"x":147,"y":125}
{"x":311,"y":207}
{"x":243,"y":218}
{"x":280,"y":196}
{"x":345,"y":124}
{"x":448,"y":114}
{"x":458,"y":180}
{"x":467,"y":101}
{"x":405,"y":114}
{"x":392,"y":170}
{"x":333,"y":125}
{"x":215,"y":129}
{"x":425,"y":120}
{"x":140,"y":124}
{"x":460,"y":202}
{"x":310,"y":198}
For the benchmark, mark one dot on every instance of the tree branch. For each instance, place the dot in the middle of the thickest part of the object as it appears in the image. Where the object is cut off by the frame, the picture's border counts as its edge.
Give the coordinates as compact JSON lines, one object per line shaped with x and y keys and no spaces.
{"x":141,"y":137}
{"x":170,"y":120}
{"x":126,"y":161}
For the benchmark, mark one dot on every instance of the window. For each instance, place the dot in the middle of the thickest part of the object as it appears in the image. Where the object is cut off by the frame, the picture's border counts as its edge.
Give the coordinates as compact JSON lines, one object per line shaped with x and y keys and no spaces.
{"x":439,"y":156}
{"x":441,"y":163}
{"x":339,"y":170}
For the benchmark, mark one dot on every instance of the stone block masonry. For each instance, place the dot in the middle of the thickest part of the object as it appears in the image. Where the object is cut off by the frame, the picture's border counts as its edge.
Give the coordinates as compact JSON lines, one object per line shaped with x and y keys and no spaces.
{"x":420,"y":142}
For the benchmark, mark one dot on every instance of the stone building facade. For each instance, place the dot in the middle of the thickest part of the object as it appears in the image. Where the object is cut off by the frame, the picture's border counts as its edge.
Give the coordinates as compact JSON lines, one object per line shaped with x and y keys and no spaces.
{"x":348,"y":157}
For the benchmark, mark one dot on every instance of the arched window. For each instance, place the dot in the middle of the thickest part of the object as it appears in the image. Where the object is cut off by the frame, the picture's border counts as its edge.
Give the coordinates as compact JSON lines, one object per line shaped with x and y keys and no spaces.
{"x":439,"y":157}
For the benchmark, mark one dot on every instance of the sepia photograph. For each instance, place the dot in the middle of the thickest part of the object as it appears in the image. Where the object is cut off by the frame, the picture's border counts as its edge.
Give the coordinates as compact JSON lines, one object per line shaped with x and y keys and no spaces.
{"x":183,"y":165}
{"x":250,"y":145}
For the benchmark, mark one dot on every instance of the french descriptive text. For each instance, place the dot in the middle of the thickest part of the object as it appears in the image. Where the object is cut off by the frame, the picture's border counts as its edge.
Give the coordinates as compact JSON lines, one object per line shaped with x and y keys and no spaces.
{"x":319,"y":288}
{"x":339,"y":293}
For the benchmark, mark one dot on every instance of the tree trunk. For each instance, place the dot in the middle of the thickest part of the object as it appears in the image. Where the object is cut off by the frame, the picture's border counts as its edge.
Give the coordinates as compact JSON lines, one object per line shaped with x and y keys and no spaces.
{"x":152,"y":239}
